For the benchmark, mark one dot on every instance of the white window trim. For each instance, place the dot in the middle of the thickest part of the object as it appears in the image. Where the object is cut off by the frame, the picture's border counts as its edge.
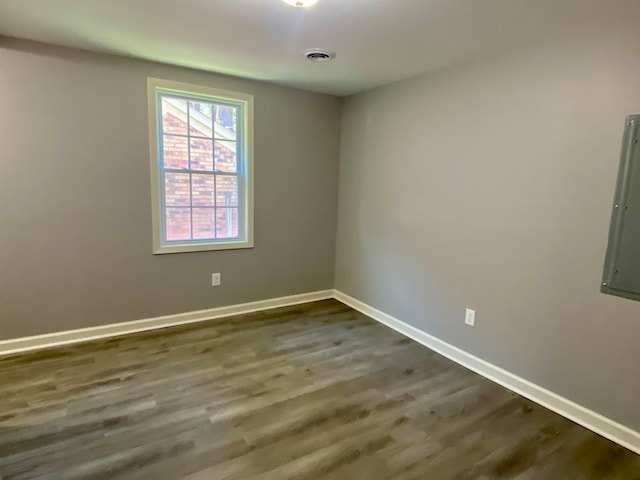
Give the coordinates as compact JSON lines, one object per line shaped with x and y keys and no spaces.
{"x":159,"y":247}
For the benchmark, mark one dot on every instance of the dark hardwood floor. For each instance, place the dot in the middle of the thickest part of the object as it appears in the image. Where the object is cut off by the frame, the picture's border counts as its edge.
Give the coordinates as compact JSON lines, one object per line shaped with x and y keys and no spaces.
{"x":316,"y":391}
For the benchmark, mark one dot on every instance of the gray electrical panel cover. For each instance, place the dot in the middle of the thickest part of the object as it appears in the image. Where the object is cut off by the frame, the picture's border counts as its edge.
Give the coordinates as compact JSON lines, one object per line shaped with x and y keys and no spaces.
{"x":622,"y":265}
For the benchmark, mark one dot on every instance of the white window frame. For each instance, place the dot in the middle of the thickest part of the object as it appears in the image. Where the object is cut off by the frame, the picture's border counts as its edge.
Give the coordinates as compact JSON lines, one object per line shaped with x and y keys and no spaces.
{"x":244,"y":159}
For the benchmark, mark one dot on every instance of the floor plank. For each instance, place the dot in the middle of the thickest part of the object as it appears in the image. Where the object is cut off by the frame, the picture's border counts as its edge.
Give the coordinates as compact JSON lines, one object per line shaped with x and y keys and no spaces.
{"x":315,"y":391}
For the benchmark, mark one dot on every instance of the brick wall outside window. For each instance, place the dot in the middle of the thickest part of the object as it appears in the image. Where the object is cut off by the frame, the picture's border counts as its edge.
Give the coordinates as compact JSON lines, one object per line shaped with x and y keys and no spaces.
{"x":213,"y":215}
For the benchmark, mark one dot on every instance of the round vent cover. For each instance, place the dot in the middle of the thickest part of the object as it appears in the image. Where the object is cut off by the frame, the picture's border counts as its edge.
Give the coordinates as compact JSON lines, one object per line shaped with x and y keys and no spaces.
{"x":319,"y":55}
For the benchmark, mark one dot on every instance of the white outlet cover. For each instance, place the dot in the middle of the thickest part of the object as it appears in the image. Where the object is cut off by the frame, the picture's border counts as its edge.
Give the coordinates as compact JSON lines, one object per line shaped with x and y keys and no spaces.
{"x":216,"y":279}
{"x":470,"y":317}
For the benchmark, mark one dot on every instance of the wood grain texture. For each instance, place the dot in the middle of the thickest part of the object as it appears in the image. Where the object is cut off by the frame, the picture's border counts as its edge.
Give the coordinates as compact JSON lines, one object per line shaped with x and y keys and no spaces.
{"x":315,"y":391}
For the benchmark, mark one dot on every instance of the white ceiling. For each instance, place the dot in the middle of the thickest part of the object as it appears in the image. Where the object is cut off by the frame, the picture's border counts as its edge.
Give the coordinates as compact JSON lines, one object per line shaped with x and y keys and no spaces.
{"x":376,"y":41}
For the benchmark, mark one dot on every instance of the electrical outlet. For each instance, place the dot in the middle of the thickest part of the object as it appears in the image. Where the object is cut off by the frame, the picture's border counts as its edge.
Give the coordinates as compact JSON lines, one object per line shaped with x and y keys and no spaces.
{"x":216,"y":279}
{"x":470,"y":317}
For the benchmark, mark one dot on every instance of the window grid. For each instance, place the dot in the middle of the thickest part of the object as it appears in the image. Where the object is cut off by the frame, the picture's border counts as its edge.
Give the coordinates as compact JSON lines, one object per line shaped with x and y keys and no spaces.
{"x":189,"y":165}
{"x":231,"y":211}
{"x":213,"y":165}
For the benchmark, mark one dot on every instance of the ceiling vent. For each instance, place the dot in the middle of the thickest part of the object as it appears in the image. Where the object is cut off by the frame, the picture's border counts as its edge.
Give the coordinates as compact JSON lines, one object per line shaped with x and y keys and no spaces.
{"x":319,"y":55}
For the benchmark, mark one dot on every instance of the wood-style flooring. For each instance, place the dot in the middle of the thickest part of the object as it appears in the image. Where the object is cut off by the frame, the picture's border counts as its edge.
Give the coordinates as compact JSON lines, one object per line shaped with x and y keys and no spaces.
{"x":316,"y":391}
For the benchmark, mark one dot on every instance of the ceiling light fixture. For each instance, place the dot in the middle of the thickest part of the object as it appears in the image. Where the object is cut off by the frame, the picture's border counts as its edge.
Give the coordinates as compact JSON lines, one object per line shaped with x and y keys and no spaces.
{"x":301,"y":3}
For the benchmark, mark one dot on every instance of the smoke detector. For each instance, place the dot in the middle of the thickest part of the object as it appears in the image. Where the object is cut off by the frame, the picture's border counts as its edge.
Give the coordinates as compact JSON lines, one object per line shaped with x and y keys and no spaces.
{"x":319,"y":55}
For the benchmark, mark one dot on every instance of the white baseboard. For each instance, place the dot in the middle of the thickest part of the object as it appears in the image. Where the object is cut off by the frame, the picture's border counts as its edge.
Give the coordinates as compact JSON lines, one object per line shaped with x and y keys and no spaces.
{"x":23,"y":344}
{"x":599,"y":424}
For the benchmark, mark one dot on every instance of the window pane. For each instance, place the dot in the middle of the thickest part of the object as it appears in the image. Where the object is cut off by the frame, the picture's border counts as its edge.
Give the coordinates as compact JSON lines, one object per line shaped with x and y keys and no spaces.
{"x":201,"y":154}
{"x":226,"y":191}
{"x":200,"y":119}
{"x":202,"y":190}
{"x":174,"y":115}
{"x":175,"y":152}
{"x":203,"y":223}
{"x":226,"y":120}
{"x":178,"y":223}
{"x":226,"y":156}
{"x":176,"y":189}
{"x":227,"y":222}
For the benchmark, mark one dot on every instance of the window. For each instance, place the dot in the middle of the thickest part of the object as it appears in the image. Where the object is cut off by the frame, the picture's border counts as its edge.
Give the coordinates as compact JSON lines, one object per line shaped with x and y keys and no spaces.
{"x":201,"y":182}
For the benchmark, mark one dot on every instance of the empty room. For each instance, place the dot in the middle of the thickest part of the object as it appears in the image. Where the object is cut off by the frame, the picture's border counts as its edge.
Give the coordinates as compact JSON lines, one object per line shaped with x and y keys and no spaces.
{"x":319,"y":239}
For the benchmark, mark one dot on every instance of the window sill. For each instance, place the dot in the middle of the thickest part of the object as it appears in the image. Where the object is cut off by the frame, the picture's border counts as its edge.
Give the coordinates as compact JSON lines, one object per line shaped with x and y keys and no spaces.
{"x":203,"y":247}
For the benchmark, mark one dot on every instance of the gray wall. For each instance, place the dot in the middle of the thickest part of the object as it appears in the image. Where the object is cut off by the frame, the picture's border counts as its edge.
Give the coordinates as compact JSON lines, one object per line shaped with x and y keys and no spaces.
{"x":489,"y":185}
{"x":75,"y":215}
